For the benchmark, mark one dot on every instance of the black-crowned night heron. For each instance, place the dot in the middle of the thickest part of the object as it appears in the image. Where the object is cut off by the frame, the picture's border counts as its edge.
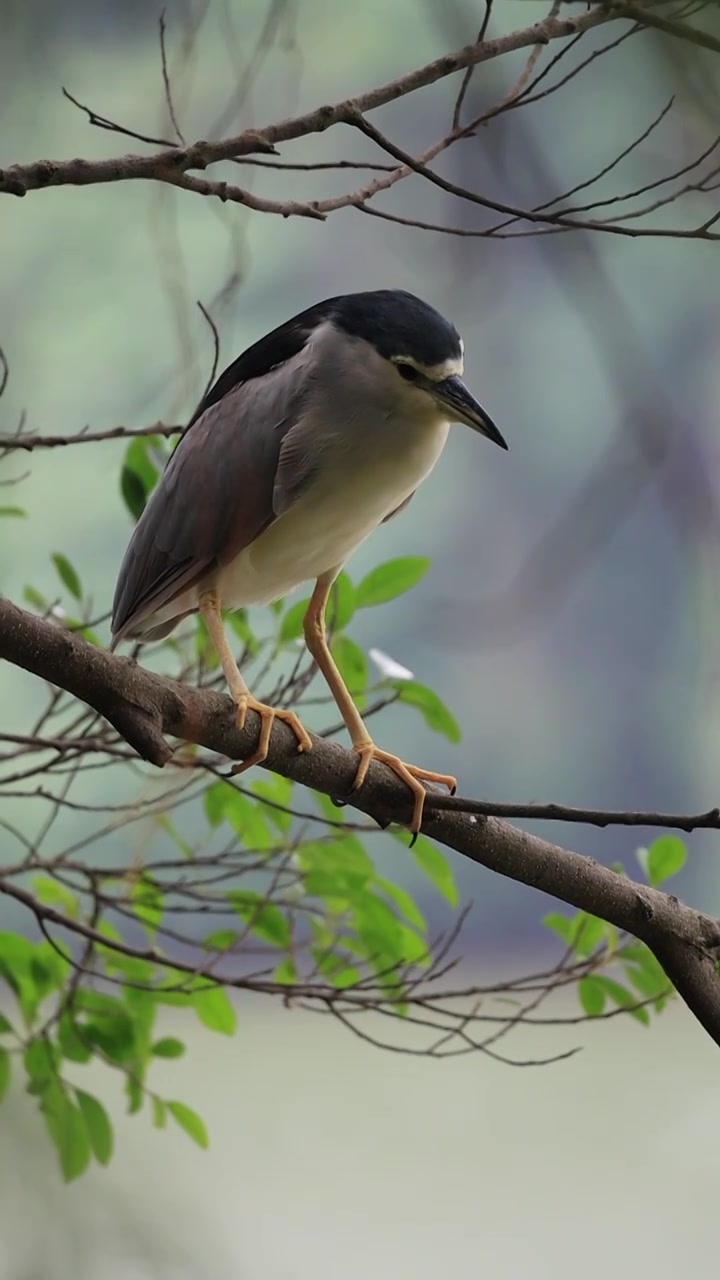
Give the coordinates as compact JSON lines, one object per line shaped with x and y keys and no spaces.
{"x":316,"y":435}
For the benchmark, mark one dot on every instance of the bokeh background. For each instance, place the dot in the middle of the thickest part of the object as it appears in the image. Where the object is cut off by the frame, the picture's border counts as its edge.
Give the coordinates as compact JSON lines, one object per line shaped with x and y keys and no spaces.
{"x":570,"y":617}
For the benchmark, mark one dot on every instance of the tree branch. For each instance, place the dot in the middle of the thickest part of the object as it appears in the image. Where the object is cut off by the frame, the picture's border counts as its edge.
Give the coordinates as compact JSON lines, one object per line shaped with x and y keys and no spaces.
{"x":144,"y":708}
{"x":172,"y":165}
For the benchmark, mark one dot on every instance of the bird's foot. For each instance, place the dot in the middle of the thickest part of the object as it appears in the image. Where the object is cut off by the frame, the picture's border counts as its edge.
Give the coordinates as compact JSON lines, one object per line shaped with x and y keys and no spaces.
{"x":268,"y":715}
{"x":411,"y":775}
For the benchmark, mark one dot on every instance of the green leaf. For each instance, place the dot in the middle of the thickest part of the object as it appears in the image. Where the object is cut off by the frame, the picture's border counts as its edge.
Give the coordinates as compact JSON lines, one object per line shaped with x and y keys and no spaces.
{"x":291,"y":627}
{"x":433,"y":710}
{"x":237,"y":621}
{"x":159,"y":1113}
{"x":147,"y":903}
{"x":135,"y":1096}
{"x":53,"y":894}
{"x":68,"y":1131}
{"x":404,"y":903}
{"x":67,"y":575}
{"x":139,"y":475}
{"x":39,"y":1063}
{"x":285,"y":971}
{"x":379,"y":931}
{"x":214,"y":1010}
{"x":98,"y":1126}
{"x":220,"y":939}
{"x":16,"y":967}
{"x":5,"y":1026}
{"x":592,"y":996}
{"x":341,"y":605}
{"x":563,"y":926}
{"x":413,"y":950}
{"x":190,"y":1122}
{"x":168,"y":1047}
{"x":4,"y":1072}
{"x":34,"y":598}
{"x":261,"y":917}
{"x":115,"y":1037}
{"x":435,"y":866}
{"x":12,"y":511}
{"x":665,"y":857}
{"x":351,"y":662}
{"x":589,"y":932}
{"x":70,"y":1043}
{"x":246,"y":819}
{"x":277,"y":791}
{"x":334,"y":867}
{"x":625,"y":999}
{"x":390,"y":580}
{"x":214,"y":803}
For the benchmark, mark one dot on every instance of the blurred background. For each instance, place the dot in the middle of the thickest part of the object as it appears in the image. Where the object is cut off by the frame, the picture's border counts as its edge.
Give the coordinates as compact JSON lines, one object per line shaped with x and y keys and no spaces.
{"x":569,"y":618}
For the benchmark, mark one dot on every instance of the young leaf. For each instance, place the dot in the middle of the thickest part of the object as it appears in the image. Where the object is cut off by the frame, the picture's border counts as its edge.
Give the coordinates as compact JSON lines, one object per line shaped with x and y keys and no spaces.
{"x":214,"y":1010}
{"x":147,"y":903}
{"x":263,"y":919}
{"x":588,"y":933}
{"x":159,"y":1113}
{"x":70,"y":1043}
{"x":436,"y":867}
{"x":277,"y":791}
{"x":138,"y":475}
{"x":246,"y":819}
{"x":168,"y":1047}
{"x":68,"y":1131}
{"x":625,"y":999}
{"x":433,"y":709}
{"x":390,"y":580}
{"x":98,"y":1126}
{"x":214,"y":802}
{"x":404,"y":903}
{"x":351,"y":662}
{"x":665,"y":857}
{"x":53,"y":894}
{"x":67,"y":575}
{"x":592,"y":995}
{"x":563,"y":926}
{"x":285,"y":971}
{"x":291,"y":627}
{"x":4,"y":1072}
{"x":341,"y":605}
{"x":190,"y":1122}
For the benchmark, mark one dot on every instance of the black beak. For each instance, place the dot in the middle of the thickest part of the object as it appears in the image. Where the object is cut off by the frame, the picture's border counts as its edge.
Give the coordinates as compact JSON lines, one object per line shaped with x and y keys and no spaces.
{"x":454,"y":396}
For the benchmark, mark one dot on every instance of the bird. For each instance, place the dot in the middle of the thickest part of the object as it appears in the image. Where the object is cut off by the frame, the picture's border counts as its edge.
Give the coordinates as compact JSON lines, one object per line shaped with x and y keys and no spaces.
{"x":317,"y":434}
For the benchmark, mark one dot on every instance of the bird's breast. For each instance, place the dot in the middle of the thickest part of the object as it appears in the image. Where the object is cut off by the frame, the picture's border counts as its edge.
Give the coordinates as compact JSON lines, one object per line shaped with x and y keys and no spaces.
{"x":359,"y":482}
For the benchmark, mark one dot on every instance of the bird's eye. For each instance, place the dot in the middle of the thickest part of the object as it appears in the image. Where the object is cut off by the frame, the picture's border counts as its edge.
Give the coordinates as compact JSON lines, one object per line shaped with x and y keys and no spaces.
{"x":408,"y":372}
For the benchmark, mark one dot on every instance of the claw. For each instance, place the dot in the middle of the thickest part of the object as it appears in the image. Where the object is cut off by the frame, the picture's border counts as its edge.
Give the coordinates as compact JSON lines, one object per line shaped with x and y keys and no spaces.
{"x":410,"y":774}
{"x":267,"y":717}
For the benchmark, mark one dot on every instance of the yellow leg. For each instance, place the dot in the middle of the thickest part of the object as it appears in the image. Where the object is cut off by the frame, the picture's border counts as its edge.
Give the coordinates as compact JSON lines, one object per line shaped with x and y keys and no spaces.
{"x":241,"y":695}
{"x":316,"y":640}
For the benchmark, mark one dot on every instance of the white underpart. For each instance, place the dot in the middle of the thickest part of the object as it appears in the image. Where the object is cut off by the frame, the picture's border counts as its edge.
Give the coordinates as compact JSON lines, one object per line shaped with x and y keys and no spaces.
{"x":333,"y":517}
{"x":358,"y":488}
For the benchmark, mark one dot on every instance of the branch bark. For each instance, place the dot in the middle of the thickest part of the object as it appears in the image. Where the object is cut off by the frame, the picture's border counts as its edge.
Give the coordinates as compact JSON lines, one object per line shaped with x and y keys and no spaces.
{"x":145,"y":708}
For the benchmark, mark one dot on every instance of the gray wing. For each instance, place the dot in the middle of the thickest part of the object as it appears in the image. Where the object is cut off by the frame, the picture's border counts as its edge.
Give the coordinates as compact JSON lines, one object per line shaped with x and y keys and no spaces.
{"x":226,"y":482}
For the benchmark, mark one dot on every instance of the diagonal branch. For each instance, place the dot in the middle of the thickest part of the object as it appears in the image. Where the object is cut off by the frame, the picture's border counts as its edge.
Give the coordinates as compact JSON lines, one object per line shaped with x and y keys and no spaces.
{"x":144,"y":708}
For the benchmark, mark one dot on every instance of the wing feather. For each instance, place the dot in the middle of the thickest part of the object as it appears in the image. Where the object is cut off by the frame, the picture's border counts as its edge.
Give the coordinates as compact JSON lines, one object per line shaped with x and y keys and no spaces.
{"x":215,"y":495}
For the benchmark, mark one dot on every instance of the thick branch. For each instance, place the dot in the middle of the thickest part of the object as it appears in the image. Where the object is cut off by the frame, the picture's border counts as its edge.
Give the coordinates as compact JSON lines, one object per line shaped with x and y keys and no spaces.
{"x":144,"y":708}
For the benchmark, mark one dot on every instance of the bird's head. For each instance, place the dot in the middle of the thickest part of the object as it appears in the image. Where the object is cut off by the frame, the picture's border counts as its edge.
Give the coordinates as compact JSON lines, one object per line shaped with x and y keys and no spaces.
{"x":421,"y":354}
